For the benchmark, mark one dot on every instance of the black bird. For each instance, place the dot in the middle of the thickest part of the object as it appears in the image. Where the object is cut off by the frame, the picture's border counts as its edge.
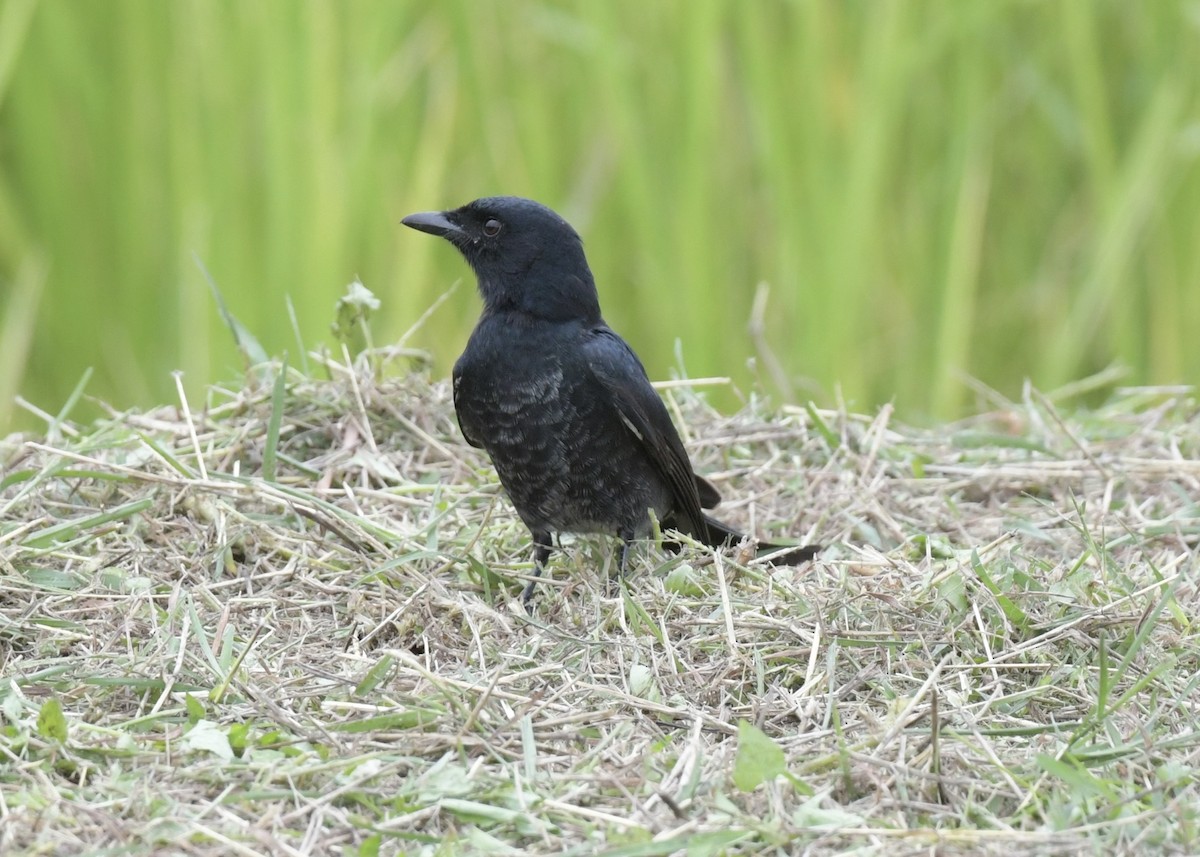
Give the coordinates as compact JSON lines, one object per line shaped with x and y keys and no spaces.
{"x":581,"y":441}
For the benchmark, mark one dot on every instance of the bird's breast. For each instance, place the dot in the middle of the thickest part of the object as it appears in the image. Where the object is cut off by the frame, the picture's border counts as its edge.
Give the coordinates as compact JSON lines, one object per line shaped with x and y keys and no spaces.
{"x":509,"y":393}
{"x":536,"y":389}
{"x":562,"y":452}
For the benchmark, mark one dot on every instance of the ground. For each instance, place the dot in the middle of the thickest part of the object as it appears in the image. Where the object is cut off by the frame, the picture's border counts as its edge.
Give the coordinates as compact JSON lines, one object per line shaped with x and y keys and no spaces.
{"x":286,"y":621}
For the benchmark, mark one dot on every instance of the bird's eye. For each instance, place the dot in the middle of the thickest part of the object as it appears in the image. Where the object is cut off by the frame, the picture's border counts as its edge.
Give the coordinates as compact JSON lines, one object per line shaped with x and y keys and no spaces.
{"x":492,"y":228}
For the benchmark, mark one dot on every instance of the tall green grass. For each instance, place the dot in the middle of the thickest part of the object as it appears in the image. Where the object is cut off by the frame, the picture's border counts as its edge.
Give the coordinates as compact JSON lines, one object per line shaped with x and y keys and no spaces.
{"x":930,"y":189}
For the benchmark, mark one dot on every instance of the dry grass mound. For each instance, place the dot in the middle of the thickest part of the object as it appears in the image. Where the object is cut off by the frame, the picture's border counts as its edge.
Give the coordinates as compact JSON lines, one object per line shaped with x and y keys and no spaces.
{"x":287,"y":622}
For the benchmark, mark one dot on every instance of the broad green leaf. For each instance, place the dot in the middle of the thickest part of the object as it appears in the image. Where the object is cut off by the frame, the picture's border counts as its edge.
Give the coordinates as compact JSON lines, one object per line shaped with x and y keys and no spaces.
{"x":758,"y":758}
{"x":195,"y":709}
{"x":51,"y":723}
{"x":209,"y":737}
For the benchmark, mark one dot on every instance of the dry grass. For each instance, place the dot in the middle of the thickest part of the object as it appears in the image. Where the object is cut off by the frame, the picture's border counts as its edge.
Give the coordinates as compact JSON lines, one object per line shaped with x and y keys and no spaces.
{"x":997,"y":654}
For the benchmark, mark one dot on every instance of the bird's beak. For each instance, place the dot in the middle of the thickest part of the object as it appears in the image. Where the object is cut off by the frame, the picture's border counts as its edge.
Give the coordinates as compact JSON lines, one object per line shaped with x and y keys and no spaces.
{"x":433,"y":222}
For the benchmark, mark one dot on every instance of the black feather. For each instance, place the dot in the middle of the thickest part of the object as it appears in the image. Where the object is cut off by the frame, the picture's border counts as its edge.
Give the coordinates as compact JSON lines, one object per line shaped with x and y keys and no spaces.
{"x":580,"y":439}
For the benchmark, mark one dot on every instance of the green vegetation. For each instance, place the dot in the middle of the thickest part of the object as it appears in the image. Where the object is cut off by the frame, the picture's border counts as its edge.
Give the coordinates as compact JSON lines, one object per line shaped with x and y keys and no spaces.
{"x":1002,"y":189}
{"x":286,"y":620}
{"x":280,"y":616}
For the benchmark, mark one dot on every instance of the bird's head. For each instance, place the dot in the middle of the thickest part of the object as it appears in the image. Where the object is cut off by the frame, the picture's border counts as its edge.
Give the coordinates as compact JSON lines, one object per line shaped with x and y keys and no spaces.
{"x":525,"y":256}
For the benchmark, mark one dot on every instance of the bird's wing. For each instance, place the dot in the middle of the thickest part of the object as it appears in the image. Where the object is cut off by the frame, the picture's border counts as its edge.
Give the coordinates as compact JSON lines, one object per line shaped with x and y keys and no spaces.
{"x":710,"y":497}
{"x":458,"y":413}
{"x":622,"y":375}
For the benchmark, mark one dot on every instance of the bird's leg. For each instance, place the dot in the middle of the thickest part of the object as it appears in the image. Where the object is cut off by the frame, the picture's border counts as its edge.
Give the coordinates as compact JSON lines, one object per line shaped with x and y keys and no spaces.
{"x":627,"y":537}
{"x":543,"y":545}
{"x":625,"y":546}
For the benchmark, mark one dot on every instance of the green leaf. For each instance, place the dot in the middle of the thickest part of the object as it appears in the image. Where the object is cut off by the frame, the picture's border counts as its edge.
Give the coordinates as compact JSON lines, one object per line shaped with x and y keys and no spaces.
{"x":493,"y":584}
{"x":995,"y":440}
{"x":10,"y":705}
{"x":250,"y":347}
{"x":15,"y":477}
{"x":642,"y":684}
{"x":1014,"y":613}
{"x":271,"y":446}
{"x":71,"y":529}
{"x":475,"y":812}
{"x":370,"y":846}
{"x":51,"y":724}
{"x":637,"y":617}
{"x":72,"y":400}
{"x":758,"y":758}
{"x":239,"y":736}
{"x":813,"y":814}
{"x":683,"y":580}
{"x":411,"y":719}
{"x":48,"y":578}
{"x":832,"y":440}
{"x":166,"y":454}
{"x":711,"y":844}
{"x":375,"y":675}
{"x":354,"y":311}
{"x":195,"y":709}
{"x":1080,"y":780}
{"x":208,"y":737}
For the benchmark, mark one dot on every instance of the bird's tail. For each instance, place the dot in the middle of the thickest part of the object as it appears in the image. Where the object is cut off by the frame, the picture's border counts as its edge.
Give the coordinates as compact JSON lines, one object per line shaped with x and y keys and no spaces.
{"x":720,"y":534}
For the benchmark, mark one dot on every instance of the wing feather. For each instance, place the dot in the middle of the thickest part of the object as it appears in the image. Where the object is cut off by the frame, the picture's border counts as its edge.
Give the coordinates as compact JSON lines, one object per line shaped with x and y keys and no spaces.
{"x":457,"y":380}
{"x":622,"y":375}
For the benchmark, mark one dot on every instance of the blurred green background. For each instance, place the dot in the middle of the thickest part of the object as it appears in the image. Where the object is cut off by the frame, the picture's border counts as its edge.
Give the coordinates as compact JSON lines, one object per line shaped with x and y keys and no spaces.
{"x":930,"y":190}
